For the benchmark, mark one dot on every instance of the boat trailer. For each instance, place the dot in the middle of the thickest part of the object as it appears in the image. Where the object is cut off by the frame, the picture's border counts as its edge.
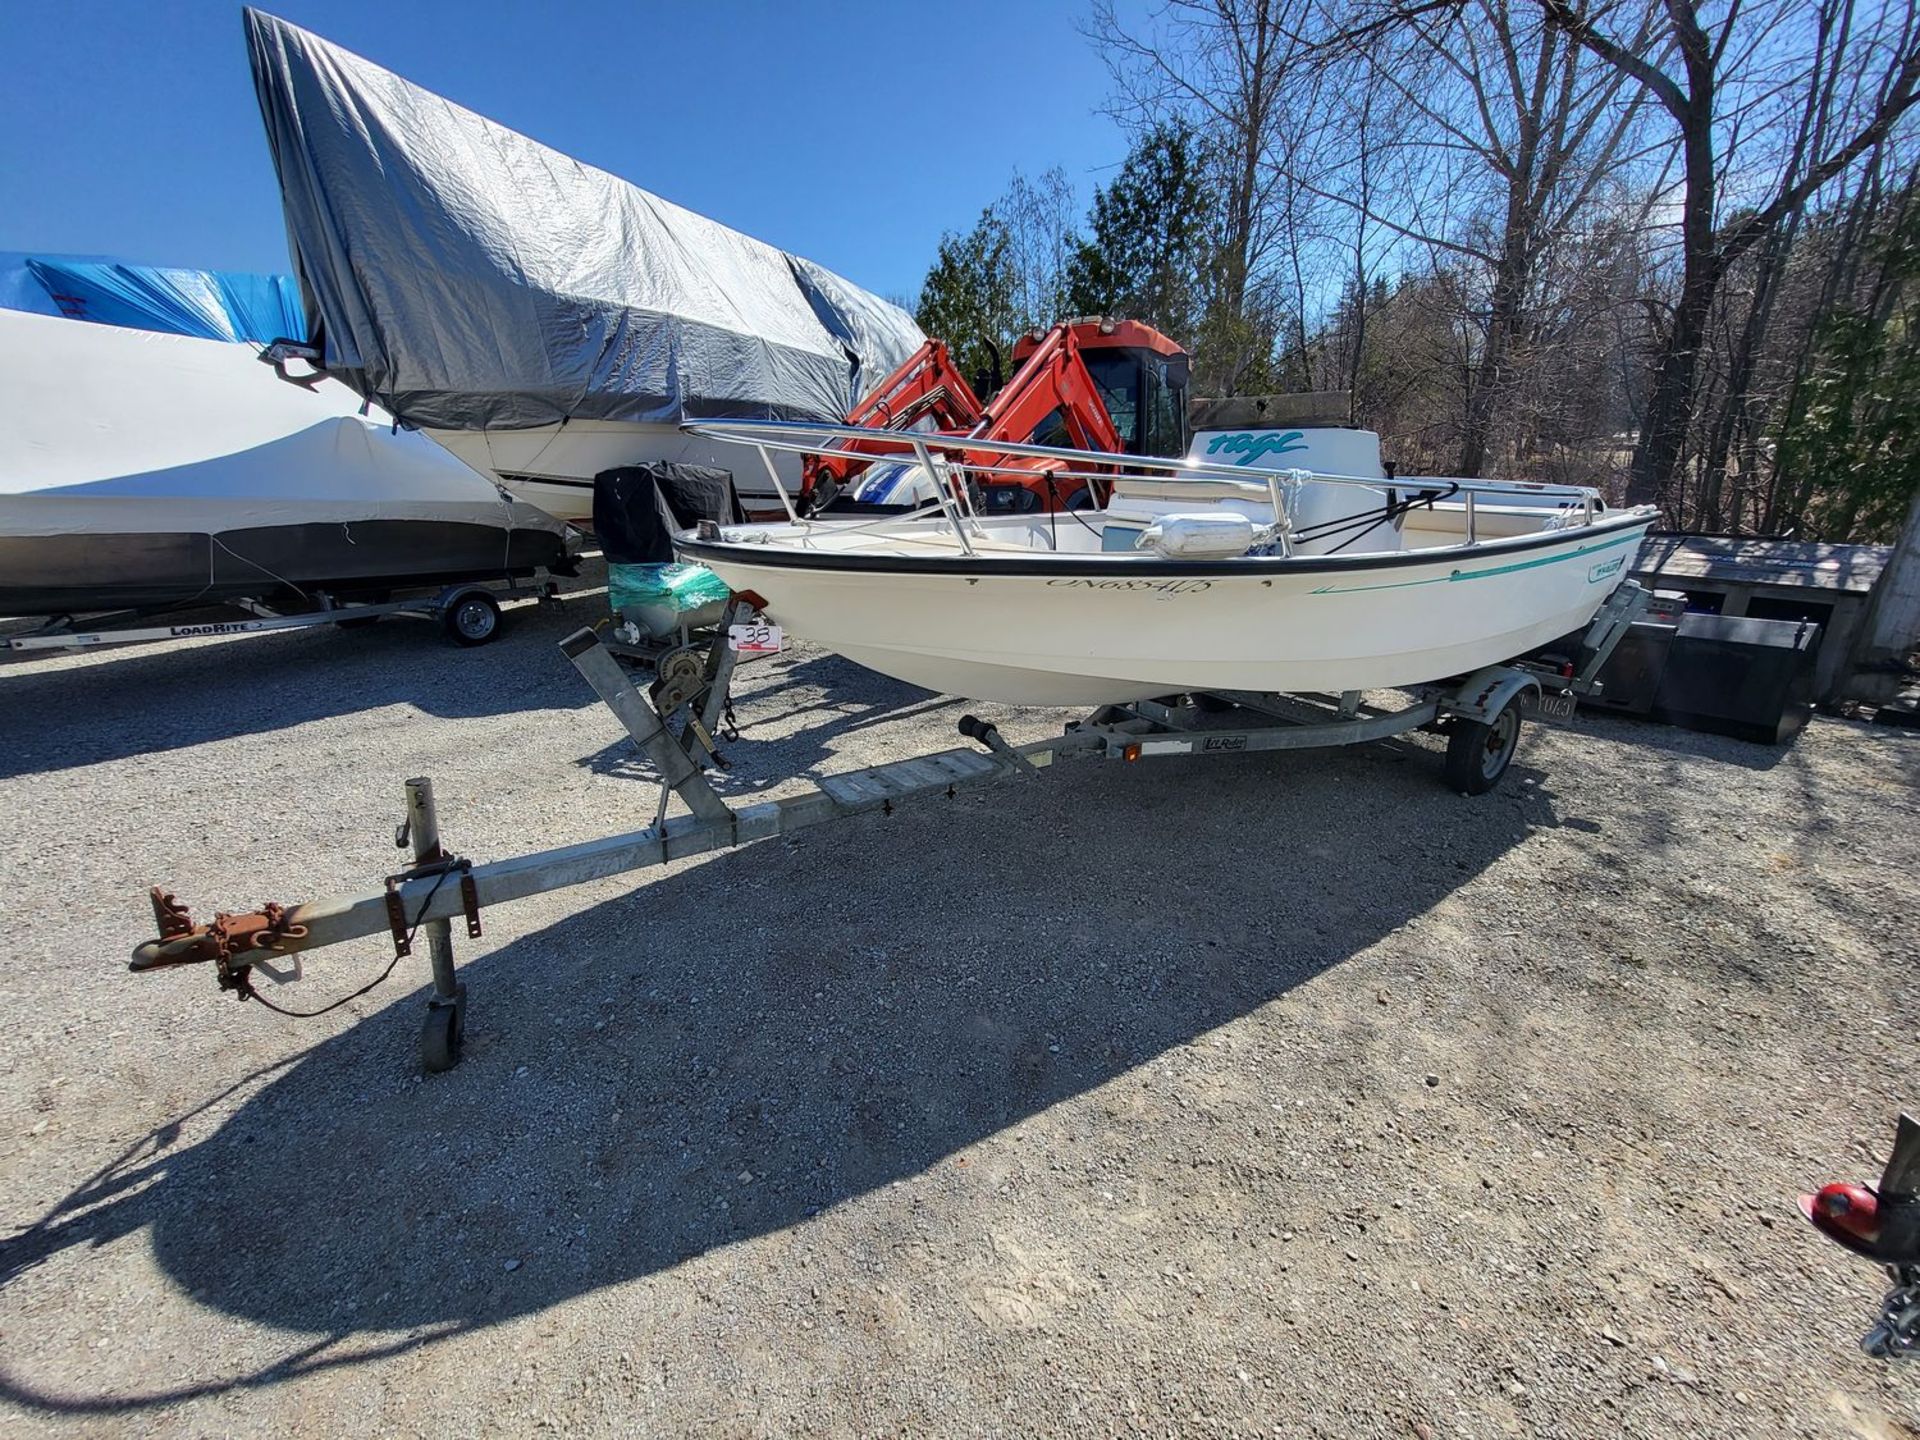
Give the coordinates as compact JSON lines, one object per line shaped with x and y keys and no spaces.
{"x":468,"y":610}
{"x":1480,"y":716}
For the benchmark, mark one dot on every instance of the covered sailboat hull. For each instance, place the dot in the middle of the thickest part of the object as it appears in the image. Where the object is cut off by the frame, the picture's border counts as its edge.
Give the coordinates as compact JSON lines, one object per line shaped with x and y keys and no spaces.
{"x":143,"y":471}
{"x":479,"y":284}
{"x":553,"y":467}
{"x":1090,"y":629}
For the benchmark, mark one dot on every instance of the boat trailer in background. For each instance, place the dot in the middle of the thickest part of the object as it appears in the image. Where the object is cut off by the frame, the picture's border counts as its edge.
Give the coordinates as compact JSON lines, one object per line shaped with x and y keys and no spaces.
{"x":469,"y":612}
{"x":675,"y":727}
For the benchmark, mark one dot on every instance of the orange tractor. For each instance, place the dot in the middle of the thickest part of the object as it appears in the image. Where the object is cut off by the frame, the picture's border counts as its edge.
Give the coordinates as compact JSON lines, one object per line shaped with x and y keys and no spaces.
{"x":1116,"y":386}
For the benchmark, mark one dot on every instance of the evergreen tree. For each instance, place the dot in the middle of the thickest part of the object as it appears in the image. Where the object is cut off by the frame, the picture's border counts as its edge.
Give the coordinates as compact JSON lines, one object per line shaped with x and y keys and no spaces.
{"x":970,"y":296}
{"x":1145,"y":257}
{"x":1850,"y":434}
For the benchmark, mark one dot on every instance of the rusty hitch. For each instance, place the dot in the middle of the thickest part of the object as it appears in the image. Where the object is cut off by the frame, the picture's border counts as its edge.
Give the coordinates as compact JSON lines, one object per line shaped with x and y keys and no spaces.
{"x":224,"y":943}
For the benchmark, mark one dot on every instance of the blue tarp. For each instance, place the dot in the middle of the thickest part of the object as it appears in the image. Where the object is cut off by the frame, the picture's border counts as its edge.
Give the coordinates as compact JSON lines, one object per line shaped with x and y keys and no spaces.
{"x":210,"y":304}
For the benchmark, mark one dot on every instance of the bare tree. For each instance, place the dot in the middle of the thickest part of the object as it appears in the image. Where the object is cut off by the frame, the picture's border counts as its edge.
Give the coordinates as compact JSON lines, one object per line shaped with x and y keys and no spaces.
{"x":1517,"y":136}
{"x":1039,"y":216}
{"x":1745,"y":76}
{"x":1218,"y":66}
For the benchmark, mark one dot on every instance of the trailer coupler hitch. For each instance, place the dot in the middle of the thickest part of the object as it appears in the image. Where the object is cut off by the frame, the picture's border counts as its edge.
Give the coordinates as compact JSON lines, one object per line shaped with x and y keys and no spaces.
{"x":225,"y":942}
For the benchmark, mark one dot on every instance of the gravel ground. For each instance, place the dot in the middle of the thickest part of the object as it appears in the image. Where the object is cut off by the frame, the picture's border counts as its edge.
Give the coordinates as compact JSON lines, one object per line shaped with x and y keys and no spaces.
{"x":1278,"y":1094}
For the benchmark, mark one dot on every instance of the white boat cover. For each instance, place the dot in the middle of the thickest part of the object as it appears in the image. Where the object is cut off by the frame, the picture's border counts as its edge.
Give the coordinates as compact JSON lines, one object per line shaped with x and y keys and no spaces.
{"x":91,"y":411}
{"x":469,"y":278}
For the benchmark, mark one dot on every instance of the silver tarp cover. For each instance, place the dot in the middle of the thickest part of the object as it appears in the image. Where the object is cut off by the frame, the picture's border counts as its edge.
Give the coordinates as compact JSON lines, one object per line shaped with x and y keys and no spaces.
{"x":467,"y":277}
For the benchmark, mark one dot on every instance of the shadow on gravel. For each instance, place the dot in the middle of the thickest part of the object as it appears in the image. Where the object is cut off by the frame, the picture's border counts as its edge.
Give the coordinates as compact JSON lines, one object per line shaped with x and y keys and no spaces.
{"x":138,"y":701}
{"x":724,"y":1052}
{"x":1671,"y":740}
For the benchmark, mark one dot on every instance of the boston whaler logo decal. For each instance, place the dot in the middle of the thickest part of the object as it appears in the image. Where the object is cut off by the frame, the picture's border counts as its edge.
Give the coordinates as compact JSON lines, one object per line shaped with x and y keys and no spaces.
{"x":1605,"y":568}
{"x":1164,"y":587}
{"x":1249,"y":449}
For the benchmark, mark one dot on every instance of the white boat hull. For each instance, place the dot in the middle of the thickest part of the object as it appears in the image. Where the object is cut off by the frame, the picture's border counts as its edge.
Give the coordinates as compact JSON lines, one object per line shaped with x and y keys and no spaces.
{"x":141,"y":470}
{"x":1079,"y":630}
{"x":553,"y":467}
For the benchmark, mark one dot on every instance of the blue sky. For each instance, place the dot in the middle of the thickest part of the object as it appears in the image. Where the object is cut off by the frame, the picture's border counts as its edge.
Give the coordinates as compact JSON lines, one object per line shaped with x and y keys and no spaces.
{"x":851,"y":133}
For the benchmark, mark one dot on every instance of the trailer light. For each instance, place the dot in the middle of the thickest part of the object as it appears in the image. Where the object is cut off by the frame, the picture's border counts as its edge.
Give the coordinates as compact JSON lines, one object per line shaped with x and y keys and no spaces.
{"x":1130,"y":752}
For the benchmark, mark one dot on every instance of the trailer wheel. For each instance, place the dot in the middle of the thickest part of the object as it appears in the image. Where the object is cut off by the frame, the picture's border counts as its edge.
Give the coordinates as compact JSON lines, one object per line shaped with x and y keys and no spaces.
{"x":440,"y":1039}
{"x":1478,"y":753}
{"x":473,"y":619}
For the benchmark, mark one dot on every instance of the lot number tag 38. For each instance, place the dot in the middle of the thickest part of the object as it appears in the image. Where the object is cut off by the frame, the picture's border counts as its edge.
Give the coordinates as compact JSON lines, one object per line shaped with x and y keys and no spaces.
{"x":758,"y":639}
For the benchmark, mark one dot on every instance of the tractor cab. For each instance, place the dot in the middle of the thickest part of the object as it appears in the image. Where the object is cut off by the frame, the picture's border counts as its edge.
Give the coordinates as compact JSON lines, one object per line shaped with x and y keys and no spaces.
{"x":1140,"y":376}
{"x":1117,"y":387}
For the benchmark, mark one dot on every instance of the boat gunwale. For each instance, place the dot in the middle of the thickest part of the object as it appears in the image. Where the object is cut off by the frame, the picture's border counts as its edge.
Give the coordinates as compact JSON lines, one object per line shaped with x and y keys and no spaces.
{"x":1115,"y":565}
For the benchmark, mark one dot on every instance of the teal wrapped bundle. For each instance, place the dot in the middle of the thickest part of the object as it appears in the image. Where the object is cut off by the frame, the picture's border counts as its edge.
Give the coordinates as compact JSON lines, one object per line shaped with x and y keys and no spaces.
{"x":660,"y":599}
{"x":681,"y":587}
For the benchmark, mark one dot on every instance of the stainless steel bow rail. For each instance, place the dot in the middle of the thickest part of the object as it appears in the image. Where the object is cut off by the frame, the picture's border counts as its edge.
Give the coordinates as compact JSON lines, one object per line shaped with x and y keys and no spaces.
{"x":1480,"y":716}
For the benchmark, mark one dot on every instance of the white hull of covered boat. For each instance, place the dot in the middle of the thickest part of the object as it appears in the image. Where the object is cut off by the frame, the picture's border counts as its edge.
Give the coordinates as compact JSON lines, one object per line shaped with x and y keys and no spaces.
{"x":553,"y":466}
{"x":141,"y":471}
{"x":1093,"y":629}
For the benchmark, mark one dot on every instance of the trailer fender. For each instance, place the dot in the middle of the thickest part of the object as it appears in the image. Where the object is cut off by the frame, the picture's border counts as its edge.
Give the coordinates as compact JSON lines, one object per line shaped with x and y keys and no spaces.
{"x":1485,"y":693}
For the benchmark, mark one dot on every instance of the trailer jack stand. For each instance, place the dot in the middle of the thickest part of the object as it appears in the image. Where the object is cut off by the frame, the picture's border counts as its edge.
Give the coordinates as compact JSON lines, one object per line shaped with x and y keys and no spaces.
{"x":238,"y":942}
{"x":445,"y":1028}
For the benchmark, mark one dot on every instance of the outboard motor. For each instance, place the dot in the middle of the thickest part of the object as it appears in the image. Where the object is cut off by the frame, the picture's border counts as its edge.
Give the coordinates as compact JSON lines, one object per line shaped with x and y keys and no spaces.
{"x":636,"y":511}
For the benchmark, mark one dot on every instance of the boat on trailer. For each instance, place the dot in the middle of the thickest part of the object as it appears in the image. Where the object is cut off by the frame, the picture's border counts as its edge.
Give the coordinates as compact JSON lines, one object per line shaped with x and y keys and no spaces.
{"x":1194,"y":576}
{"x":147,"y":472}
{"x":1480,"y":715}
{"x":1183,"y":611}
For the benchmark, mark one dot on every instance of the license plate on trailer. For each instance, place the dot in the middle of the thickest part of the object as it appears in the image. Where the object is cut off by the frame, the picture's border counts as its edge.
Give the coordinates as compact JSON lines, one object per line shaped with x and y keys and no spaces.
{"x":1555,"y":707}
{"x":756,"y":639}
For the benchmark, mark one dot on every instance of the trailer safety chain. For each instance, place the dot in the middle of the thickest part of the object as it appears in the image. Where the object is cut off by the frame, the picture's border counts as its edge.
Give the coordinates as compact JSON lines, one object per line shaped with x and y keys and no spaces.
{"x":229,"y":937}
{"x":402,"y":935}
{"x":1897,"y":1335}
{"x":267,"y":930}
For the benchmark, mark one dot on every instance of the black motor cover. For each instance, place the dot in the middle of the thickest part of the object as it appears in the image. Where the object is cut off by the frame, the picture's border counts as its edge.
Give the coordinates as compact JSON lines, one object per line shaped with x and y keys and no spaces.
{"x":636,"y":508}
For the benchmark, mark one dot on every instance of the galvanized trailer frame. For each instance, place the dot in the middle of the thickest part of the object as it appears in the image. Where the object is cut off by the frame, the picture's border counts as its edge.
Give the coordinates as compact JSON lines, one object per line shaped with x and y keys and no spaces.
{"x":1480,"y":714}
{"x":469,"y":609}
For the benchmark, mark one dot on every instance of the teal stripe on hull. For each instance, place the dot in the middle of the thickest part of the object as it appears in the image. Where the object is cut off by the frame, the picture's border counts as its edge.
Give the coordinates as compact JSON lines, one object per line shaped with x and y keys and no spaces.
{"x":1627,"y":539}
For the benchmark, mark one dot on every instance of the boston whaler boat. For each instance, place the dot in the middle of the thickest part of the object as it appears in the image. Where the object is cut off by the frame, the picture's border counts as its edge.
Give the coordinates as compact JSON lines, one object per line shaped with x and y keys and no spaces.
{"x":1206,"y":610}
{"x":1198,"y":575}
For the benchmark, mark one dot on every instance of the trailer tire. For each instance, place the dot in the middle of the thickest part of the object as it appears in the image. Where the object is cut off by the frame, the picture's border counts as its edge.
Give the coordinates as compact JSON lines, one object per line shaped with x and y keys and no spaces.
{"x":1478,"y":753}
{"x":473,"y":619}
{"x":440,"y":1039}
